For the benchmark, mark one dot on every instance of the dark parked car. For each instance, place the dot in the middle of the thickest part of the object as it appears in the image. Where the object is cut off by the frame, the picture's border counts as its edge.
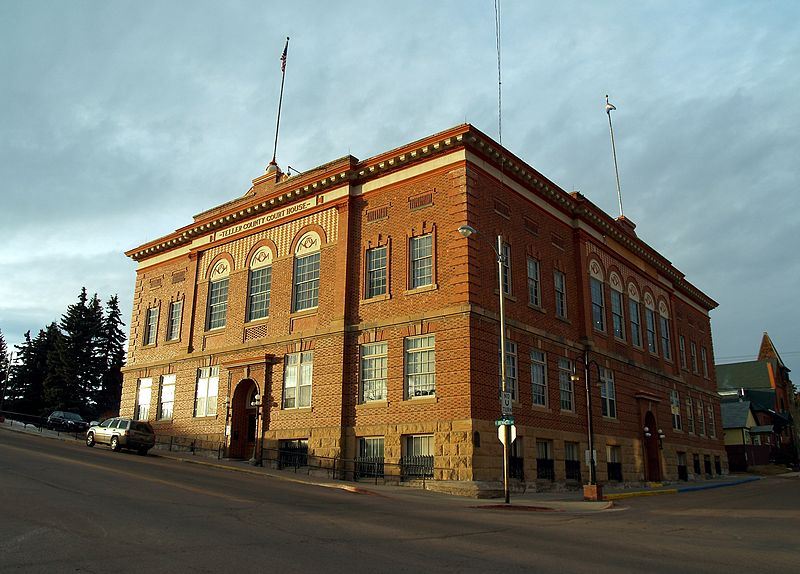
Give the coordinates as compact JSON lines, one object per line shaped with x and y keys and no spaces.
{"x":64,"y":421}
{"x":121,"y":432}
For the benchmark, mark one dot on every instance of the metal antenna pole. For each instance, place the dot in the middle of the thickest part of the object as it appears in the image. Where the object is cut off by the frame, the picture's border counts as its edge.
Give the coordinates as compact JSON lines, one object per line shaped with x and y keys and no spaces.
{"x":280,"y":99}
{"x":610,"y":107}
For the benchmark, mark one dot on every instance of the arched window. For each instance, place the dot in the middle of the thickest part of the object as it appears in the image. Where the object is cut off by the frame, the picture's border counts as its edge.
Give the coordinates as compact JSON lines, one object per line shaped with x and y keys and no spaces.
{"x":635,"y":313}
{"x":218,"y":294}
{"x":617,"y":302}
{"x":666,"y":344}
{"x":306,"y":272}
{"x":598,"y":303}
{"x":259,"y":284}
{"x":650,"y":323}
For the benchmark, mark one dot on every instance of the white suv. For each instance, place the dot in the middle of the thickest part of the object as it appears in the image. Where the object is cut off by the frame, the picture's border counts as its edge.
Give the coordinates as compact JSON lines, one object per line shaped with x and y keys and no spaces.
{"x":123,"y":433}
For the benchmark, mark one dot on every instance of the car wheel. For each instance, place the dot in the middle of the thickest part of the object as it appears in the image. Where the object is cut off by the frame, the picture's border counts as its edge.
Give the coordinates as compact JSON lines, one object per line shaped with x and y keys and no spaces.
{"x":90,"y":439}
{"x":114,"y":443}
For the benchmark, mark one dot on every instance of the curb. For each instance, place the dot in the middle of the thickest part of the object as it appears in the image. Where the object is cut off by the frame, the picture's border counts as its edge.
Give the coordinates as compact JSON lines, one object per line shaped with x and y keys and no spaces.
{"x":719,"y":485}
{"x":622,"y":495}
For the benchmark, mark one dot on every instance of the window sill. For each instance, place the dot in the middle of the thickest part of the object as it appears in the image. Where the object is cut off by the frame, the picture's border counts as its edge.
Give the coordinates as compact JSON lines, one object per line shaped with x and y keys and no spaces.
{"x":423,"y":289}
{"x":148,"y":346}
{"x":423,"y":399}
{"x":538,"y":308}
{"x":376,"y":299}
{"x":508,"y":296}
{"x":173,"y":341}
{"x":258,"y":321}
{"x":215,"y":330}
{"x":303,"y":313}
{"x":297,"y":409}
{"x":381,"y":404}
{"x":621,"y":341}
{"x":564,"y":320}
{"x":569,"y":413}
{"x":542,"y":408}
{"x":610,"y":419}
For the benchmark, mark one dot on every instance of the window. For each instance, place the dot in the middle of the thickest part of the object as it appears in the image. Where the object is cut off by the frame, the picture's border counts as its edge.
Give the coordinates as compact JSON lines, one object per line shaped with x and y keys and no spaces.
{"x":666,"y":344}
{"x":150,"y":326}
{"x":205,"y":397}
{"x":598,"y":309}
{"x":534,"y":289}
{"x":167,"y":397}
{"x":293,"y":453}
{"x":511,"y":369}
{"x":689,"y":415}
{"x":143,"y":399}
{"x":306,"y":282}
{"x":421,"y":261}
{"x":675,"y":407}
{"x":560,"y":281}
{"x":650,"y":320}
{"x":297,"y":378}
{"x":608,"y":396}
{"x":696,"y":464}
{"x":420,"y":366}
{"x":565,"y":384}
{"x":217,"y":303}
{"x":258,"y":293}
{"x":682,"y":350}
{"x":701,"y":418}
{"x":683,"y":473}
{"x":572,"y":461}
{"x":694,"y":356}
{"x":712,"y":427}
{"x":545,"y":467}
{"x":617,"y":318}
{"x":370,"y":457}
{"x":636,"y":322}
{"x":704,"y":361}
{"x":376,"y":272}
{"x":373,"y":371}
{"x":539,"y":378}
{"x":506,"y":269}
{"x":417,"y":461}
{"x":614,"y":462}
{"x":174,"y":326}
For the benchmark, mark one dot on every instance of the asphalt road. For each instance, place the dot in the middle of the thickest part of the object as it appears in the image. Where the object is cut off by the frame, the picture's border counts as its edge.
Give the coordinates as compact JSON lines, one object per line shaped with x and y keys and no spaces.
{"x":68,"y":508}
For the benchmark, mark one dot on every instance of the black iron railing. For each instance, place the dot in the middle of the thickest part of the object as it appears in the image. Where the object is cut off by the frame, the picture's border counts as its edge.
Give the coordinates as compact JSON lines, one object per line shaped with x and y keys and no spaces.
{"x":545,"y":469}
{"x":516,"y":467}
{"x":573,"y":469}
{"x":368,"y":467}
{"x":292,"y":456}
{"x":416,"y":466}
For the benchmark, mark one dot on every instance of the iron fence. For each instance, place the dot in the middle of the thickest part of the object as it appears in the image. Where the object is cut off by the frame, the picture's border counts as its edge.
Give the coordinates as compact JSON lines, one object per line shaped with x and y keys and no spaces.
{"x":573,"y":470}
{"x":545,"y":469}
{"x":516,"y":467}
{"x":614,"y":471}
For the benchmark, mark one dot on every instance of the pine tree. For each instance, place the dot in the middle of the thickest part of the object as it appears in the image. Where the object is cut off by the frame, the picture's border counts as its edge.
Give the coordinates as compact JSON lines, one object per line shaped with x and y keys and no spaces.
{"x":60,"y":391}
{"x":30,"y":371}
{"x":4,"y":374}
{"x":113,"y":353}
{"x":80,"y":369}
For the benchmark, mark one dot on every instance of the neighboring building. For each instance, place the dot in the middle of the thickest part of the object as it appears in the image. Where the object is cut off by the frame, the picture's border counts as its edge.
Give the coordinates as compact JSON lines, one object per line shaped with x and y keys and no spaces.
{"x":345,"y":300}
{"x":765,"y":383}
{"x":744,"y":440}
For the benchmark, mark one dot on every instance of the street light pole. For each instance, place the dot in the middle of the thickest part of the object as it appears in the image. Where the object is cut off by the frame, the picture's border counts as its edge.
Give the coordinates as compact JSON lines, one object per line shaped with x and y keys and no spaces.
{"x":594,"y":490}
{"x":467,"y":231}
{"x":256,"y":402}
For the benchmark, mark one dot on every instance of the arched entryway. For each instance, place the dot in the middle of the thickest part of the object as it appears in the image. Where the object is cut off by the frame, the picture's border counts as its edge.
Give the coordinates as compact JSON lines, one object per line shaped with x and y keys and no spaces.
{"x":651,"y":449}
{"x":244,"y":413}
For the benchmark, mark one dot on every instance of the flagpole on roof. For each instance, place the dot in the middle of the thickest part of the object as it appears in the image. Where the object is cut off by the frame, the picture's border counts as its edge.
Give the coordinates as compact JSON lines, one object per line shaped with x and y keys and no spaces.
{"x":280,"y":101}
{"x":609,"y":107}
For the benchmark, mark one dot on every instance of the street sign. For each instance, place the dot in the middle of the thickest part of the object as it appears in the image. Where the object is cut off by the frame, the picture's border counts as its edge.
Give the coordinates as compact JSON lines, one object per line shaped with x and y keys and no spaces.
{"x":505,"y":401}
{"x":504,"y":421}
{"x":501,"y":433}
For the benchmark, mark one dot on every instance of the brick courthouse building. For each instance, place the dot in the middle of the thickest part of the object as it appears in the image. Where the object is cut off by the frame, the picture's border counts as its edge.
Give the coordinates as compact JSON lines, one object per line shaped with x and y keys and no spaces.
{"x":345,"y":299}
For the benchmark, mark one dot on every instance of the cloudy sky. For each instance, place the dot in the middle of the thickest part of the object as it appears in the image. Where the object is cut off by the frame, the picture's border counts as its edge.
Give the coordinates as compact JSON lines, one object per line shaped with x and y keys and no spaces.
{"x":119,"y":120}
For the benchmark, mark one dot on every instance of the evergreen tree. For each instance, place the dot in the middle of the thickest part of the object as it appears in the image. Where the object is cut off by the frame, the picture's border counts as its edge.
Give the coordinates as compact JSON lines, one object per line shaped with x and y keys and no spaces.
{"x":80,"y":368}
{"x":113,"y":353}
{"x":60,"y":391}
{"x":30,"y":371}
{"x":4,"y":375}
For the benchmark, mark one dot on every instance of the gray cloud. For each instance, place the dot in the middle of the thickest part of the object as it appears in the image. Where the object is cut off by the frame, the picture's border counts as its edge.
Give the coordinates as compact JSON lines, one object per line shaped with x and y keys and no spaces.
{"x":121,"y":119}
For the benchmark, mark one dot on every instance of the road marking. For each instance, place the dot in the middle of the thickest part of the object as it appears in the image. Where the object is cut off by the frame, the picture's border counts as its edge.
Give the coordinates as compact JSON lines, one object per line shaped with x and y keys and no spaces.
{"x":192,"y":489}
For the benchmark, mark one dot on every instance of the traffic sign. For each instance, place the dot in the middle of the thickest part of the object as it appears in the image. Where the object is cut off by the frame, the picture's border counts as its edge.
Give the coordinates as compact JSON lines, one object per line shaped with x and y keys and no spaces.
{"x":501,"y":433}
{"x":505,"y":401}
{"x":504,"y":421}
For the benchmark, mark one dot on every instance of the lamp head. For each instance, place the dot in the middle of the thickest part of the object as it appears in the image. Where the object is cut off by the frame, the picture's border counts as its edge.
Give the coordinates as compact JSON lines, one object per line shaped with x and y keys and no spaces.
{"x":467,"y":230}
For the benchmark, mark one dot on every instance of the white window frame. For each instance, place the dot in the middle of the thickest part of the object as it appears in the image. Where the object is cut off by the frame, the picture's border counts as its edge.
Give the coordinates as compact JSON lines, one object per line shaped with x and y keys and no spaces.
{"x":635,"y":313}
{"x":374,"y":371}
{"x":618,"y":314}
{"x":534,"y":282}
{"x":419,"y":445}
{"x":690,"y":428}
{"x":651,"y":335}
{"x":298,"y":378}
{"x":377,"y":280}
{"x":217,"y":309}
{"x":206,"y":392}
{"x":507,"y":277}
{"x":420,"y":365}
{"x":305,"y":282}
{"x":596,"y":289}
{"x":420,"y":267}
{"x":565,"y":385}
{"x":174,"y":323}
{"x":560,"y":285}
{"x":151,"y":326}
{"x":511,"y":370}
{"x":166,"y":397}
{"x":666,"y":340}
{"x":258,"y":302}
{"x":539,"y":377}
{"x":144,"y":391}
{"x":701,"y":418}
{"x":704,"y":361}
{"x":682,"y":351}
{"x":712,"y":426}
{"x":608,"y":393}
{"x":675,"y":409}
{"x":693,"y":350}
